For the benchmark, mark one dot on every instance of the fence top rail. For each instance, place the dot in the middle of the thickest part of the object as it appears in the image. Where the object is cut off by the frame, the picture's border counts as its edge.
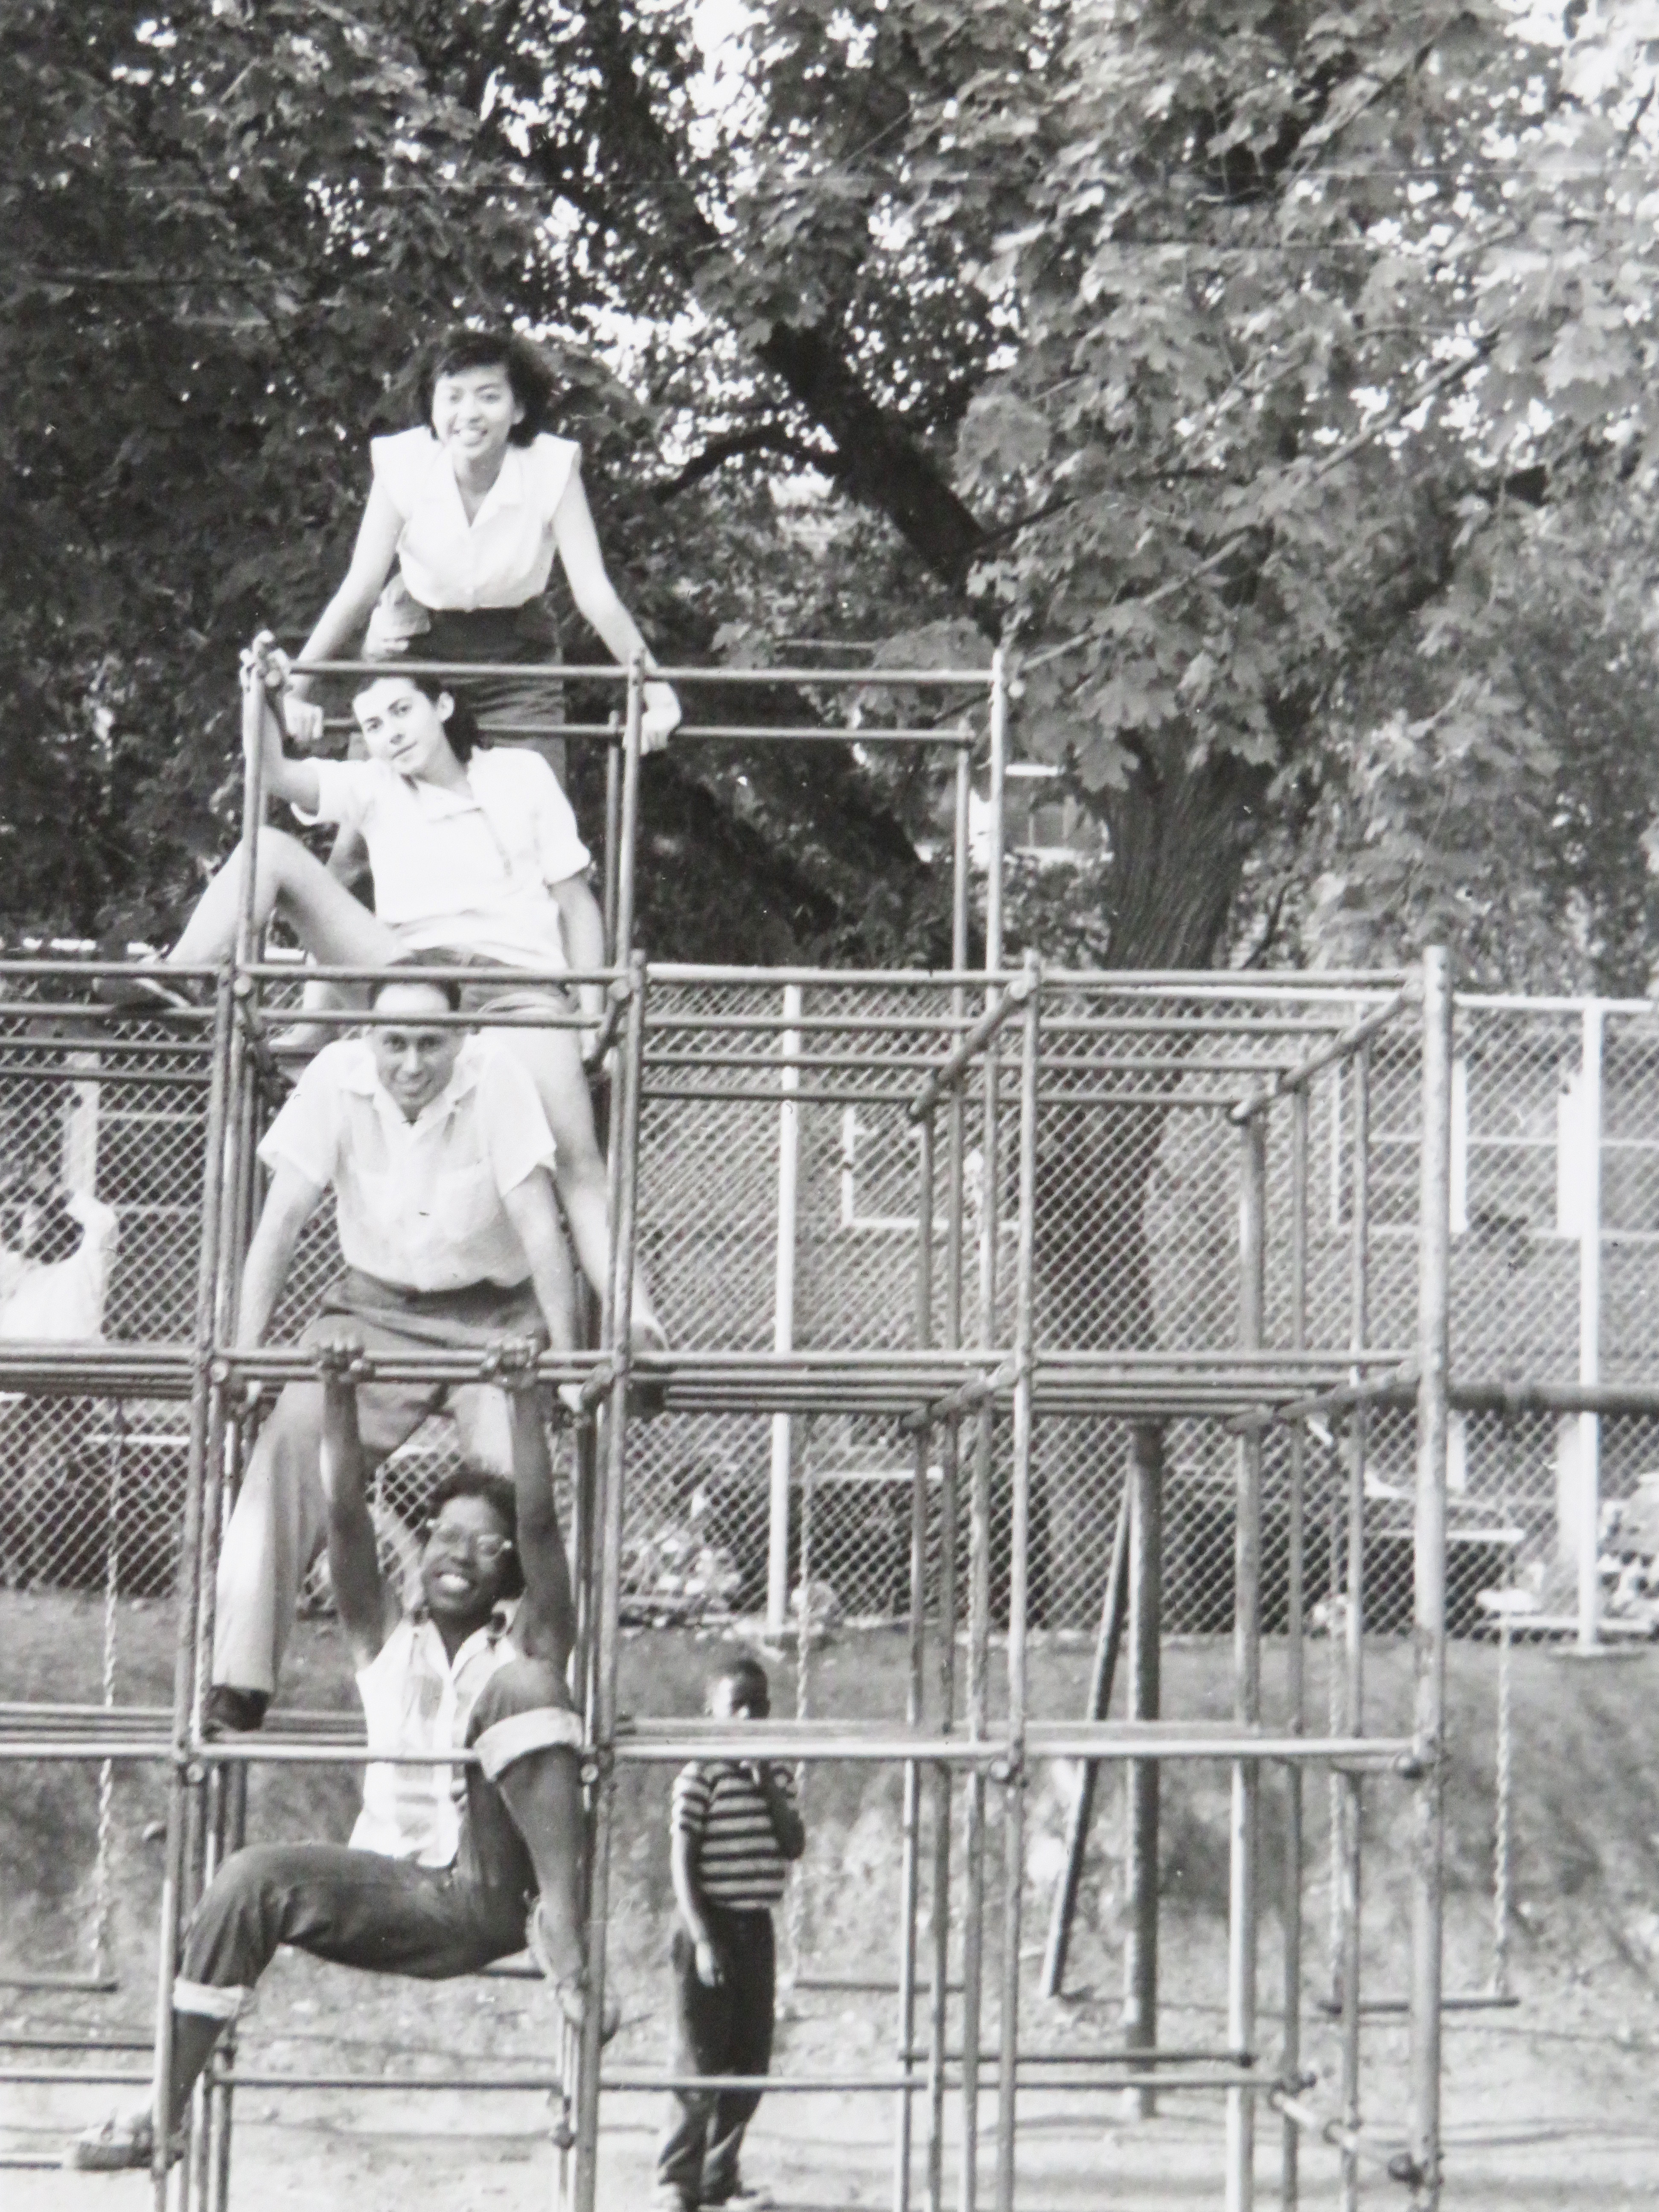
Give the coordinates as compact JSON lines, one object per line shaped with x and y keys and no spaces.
{"x":610,"y":672}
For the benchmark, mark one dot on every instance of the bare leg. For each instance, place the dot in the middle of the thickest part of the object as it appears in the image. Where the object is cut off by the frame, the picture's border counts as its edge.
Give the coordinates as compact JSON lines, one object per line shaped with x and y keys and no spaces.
{"x":554,"y":1061}
{"x":323,"y":915}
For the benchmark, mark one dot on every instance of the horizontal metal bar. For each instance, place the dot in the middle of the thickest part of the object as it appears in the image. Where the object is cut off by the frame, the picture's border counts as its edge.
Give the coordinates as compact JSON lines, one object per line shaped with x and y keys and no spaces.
{"x":710,"y":1094}
{"x":974,"y":679}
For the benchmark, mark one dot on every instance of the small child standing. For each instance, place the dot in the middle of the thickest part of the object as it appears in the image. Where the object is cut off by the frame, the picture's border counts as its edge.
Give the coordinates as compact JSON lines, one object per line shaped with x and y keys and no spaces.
{"x":733,"y":1828}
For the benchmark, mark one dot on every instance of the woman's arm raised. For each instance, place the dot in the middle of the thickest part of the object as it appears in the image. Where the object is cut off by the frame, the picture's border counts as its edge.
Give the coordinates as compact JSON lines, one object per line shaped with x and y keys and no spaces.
{"x":595,"y":597}
{"x":295,"y":780}
{"x":350,"y":609}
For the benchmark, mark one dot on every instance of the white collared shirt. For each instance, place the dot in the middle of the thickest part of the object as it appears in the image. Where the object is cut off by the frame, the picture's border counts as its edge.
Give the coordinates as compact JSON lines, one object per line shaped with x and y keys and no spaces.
{"x":504,"y":554}
{"x":468,"y":868}
{"x":419,"y":1203}
{"x":417,"y":1700}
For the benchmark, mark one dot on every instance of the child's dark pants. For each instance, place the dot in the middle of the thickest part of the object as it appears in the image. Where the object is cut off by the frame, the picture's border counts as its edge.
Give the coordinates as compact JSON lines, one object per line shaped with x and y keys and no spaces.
{"x":724,"y":2030}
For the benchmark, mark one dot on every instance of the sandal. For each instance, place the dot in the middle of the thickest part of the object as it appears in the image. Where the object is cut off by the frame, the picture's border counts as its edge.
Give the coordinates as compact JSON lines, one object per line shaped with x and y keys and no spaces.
{"x":124,"y":2143}
{"x":570,"y":1990}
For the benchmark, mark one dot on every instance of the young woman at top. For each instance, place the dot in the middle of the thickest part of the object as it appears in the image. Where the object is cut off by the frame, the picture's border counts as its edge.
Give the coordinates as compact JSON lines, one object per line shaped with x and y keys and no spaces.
{"x":471,"y":505}
{"x":476,"y":860}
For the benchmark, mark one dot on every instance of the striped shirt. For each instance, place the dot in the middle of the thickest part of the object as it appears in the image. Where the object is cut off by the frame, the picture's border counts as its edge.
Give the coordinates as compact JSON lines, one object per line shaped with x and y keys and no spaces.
{"x":737,"y":1861}
{"x":416,"y":1699}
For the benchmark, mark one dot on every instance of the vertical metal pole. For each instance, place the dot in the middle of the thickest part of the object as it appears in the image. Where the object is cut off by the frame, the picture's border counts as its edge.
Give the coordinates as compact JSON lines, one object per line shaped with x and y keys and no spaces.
{"x":916,"y":1689}
{"x":783,"y":1308}
{"x":1247,"y":1676}
{"x":1141,"y":1776}
{"x":950,"y":1472}
{"x":1588,"y":1482}
{"x":256,"y":705}
{"x":962,"y":870}
{"x":627,"y":834}
{"x":1013,"y":1803}
{"x":1350,"y":1799}
{"x":979,"y":1631}
{"x":1429,"y":1606}
{"x":613,"y":785}
{"x":1295,"y":1683}
{"x":204,"y":1396}
{"x":1114,"y":1611}
{"x":997,"y":795}
{"x":618,"y":1305}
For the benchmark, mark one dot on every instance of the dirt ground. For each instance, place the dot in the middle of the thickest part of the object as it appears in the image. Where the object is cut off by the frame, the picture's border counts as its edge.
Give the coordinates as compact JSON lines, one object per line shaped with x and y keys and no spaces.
{"x":1549,"y":2103}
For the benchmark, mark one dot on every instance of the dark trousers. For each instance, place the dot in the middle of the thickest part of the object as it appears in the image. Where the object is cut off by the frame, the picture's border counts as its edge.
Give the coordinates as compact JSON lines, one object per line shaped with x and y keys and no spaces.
{"x":359,"y":1909}
{"x":724,"y":2030}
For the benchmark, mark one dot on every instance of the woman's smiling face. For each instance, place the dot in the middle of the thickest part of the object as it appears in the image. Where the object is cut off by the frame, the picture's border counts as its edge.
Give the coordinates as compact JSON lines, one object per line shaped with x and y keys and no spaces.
{"x":402,"y":725}
{"x":473,"y":412}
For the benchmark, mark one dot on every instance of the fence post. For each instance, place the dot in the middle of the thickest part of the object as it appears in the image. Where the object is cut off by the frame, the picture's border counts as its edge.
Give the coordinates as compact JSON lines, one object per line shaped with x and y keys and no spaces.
{"x":1429,"y":1584}
{"x":783,"y":1325}
{"x":1142,"y":1776}
{"x":1582,"y":1500}
{"x":995,"y":827}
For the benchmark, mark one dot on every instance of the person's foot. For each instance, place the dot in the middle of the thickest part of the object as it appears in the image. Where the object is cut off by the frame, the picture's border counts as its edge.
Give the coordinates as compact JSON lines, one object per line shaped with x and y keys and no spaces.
{"x":743,"y":2197}
{"x":120,"y":2144}
{"x":302,"y":1040}
{"x":231,"y":1711}
{"x":663,"y":2199}
{"x":570,"y":1982}
{"x":154,"y":993}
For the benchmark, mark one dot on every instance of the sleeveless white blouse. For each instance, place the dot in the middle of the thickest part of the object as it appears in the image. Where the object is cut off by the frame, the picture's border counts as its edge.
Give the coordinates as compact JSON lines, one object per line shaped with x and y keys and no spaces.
{"x":504,"y":554}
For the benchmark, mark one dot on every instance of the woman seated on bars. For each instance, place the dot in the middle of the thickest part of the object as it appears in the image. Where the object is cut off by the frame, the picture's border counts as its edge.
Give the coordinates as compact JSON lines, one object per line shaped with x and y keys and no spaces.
{"x":448,"y":1868}
{"x":473,"y":847}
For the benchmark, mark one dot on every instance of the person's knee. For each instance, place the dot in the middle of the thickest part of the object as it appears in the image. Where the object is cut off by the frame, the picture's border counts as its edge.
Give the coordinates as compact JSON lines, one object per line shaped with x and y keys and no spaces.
{"x":524,"y":1707}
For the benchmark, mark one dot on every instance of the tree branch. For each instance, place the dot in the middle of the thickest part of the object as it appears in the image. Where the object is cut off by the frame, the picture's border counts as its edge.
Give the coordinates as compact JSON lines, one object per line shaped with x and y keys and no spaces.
{"x":770,"y":438}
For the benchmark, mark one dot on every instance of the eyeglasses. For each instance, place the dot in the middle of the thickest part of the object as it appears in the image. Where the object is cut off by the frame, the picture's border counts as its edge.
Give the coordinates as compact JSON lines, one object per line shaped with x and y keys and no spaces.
{"x":473,"y":1544}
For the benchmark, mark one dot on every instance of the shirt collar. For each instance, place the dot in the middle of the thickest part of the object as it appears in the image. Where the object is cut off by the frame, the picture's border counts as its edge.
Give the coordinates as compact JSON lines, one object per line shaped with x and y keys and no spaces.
{"x":499,"y":1625}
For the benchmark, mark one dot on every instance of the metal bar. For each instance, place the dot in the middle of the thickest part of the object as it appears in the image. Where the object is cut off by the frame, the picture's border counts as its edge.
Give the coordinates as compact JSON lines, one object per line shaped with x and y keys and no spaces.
{"x":679,"y":1741}
{"x":612,"y":843}
{"x":916,"y":1684}
{"x":1586,"y":1470}
{"x":628,"y":847}
{"x":1113,"y":1610}
{"x":979,"y":1627}
{"x":1349,"y":1803}
{"x":1502,"y":1870}
{"x":1289,"y":1910}
{"x":1247,"y":1667}
{"x":1144,"y":1494}
{"x":1013,"y":1803}
{"x":203,"y":1393}
{"x":1339,"y":1047}
{"x":964,"y":1054}
{"x":614,"y":1340}
{"x":947,"y":679}
{"x":783,"y":1322}
{"x":1429,"y":1601}
{"x":996,"y":827}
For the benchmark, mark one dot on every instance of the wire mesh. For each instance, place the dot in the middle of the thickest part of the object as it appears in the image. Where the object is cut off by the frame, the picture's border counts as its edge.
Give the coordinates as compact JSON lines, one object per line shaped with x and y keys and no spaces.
{"x":1136,"y":1249}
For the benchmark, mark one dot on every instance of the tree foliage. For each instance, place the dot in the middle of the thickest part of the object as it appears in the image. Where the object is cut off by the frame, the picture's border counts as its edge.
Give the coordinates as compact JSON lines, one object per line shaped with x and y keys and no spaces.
{"x":1274,"y":380}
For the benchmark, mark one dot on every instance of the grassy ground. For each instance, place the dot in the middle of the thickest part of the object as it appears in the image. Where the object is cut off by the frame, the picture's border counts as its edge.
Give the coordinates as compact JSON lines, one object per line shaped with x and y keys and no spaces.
{"x":1548,"y":2104}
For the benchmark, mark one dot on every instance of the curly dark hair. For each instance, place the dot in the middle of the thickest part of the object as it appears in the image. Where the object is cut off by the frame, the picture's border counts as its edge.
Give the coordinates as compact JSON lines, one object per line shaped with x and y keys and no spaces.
{"x":528,"y":372}
{"x":498,"y":1494}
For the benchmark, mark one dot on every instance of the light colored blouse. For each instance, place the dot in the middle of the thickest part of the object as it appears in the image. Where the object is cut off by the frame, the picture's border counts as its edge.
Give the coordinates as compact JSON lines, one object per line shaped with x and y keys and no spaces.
{"x":465,"y":868}
{"x":504,"y":554}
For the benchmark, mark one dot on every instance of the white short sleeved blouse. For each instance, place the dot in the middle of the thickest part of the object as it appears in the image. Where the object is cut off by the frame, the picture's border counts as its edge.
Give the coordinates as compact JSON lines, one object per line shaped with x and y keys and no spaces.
{"x":504,"y":554}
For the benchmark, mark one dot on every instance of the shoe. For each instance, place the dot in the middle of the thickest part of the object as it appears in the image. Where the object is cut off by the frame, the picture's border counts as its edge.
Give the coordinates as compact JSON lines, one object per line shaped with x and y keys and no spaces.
{"x":672,"y":2200}
{"x":570,"y":1990}
{"x":121,"y":2144}
{"x":154,"y":992}
{"x":741,"y":2197}
{"x":231,"y":1711}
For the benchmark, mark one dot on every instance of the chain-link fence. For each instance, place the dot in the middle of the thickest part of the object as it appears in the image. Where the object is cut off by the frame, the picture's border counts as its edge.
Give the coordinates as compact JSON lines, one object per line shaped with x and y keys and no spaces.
{"x":779,"y":1205}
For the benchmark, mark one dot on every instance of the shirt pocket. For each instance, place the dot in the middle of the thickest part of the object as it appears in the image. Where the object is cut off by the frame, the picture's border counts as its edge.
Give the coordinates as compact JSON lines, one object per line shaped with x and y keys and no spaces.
{"x":465,"y":1203}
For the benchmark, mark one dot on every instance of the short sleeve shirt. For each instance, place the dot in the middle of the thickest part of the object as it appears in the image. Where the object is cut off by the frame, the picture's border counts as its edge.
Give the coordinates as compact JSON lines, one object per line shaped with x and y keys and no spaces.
{"x":737,"y":1860}
{"x":471,"y":868}
{"x":60,"y":1300}
{"x":418,"y":1203}
{"x":504,"y":554}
